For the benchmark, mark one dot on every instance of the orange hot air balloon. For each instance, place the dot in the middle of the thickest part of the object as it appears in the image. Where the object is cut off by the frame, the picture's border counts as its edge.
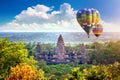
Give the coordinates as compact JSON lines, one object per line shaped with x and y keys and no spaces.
{"x":98,"y":30}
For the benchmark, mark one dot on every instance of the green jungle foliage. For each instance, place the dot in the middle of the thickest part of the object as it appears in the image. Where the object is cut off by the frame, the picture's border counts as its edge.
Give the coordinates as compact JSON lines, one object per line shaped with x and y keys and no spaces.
{"x":96,"y":72}
{"x":103,"y":62}
{"x":12,"y":54}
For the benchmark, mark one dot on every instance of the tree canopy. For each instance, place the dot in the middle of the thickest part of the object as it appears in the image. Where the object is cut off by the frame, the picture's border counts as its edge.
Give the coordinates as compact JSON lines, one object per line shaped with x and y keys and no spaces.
{"x":12,"y":54}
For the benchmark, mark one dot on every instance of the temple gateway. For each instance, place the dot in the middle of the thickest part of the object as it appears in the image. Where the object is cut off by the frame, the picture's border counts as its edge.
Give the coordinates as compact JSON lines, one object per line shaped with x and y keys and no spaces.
{"x":60,"y":55}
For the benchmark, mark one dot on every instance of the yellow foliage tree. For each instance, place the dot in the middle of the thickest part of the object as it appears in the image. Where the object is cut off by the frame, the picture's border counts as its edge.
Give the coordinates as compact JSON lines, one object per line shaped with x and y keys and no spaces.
{"x":25,"y":72}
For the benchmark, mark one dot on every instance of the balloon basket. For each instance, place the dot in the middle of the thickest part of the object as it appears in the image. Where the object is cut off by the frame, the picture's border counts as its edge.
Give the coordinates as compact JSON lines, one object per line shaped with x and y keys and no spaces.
{"x":88,"y":36}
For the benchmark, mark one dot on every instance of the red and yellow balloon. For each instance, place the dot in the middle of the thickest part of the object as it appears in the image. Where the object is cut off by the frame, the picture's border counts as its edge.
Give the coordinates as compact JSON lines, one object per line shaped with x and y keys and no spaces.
{"x":97,"y":30}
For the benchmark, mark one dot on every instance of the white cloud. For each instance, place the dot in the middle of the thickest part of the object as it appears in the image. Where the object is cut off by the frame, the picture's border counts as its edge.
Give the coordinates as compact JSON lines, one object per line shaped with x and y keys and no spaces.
{"x":43,"y":14}
{"x":41,"y":18}
{"x":63,"y":26}
{"x":110,"y":27}
{"x":36,"y":11}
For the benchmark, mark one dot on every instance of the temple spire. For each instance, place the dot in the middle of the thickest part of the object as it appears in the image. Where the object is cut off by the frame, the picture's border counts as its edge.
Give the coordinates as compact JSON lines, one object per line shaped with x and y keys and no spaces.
{"x":60,"y":50}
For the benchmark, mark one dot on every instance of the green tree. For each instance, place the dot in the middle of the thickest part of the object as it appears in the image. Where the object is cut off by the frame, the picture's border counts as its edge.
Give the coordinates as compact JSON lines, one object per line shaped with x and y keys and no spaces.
{"x":76,"y":74}
{"x":41,"y":64}
{"x":113,"y":71}
{"x":106,"y":53}
{"x":11,"y":54}
{"x":31,"y":48}
{"x":56,"y":71}
{"x":96,"y":73}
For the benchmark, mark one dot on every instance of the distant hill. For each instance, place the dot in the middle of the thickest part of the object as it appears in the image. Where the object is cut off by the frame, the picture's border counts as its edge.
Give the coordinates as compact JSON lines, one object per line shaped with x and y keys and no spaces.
{"x":51,"y":37}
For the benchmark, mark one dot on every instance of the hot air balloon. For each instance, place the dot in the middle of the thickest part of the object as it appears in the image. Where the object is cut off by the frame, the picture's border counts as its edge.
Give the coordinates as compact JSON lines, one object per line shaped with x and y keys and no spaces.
{"x":87,"y":18}
{"x":97,"y":30}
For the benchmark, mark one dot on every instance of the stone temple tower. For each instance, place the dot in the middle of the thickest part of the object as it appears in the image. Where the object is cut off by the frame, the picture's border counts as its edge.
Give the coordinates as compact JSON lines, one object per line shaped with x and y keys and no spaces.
{"x":83,"y":53}
{"x":38,"y":48}
{"x":38,"y":51}
{"x":60,"y":50}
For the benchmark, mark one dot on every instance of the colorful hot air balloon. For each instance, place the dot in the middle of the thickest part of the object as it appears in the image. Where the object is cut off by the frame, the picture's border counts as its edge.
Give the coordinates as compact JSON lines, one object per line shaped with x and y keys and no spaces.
{"x":87,"y":18}
{"x":98,"y":30}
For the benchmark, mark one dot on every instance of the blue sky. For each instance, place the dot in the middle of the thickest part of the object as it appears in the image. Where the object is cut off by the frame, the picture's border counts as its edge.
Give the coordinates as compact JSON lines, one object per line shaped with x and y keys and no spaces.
{"x":28,"y":14}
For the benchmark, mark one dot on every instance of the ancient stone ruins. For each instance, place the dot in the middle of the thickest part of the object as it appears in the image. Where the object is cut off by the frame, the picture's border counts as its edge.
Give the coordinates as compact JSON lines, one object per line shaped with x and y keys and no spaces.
{"x":60,"y":55}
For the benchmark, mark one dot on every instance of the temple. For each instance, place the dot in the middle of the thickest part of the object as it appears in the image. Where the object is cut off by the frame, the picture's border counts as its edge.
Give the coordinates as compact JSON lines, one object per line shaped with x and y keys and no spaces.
{"x":60,"y":55}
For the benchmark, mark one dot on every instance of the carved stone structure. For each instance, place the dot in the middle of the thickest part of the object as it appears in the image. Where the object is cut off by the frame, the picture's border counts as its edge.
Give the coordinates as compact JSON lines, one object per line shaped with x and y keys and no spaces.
{"x":60,"y":50}
{"x":37,"y":54}
{"x":60,"y":55}
{"x":83,"y":53}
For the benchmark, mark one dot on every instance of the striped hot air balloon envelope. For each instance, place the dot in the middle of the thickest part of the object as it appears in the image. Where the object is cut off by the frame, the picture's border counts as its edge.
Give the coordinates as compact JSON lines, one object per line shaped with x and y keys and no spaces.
{"x":87,"y":18}
{"x":98,"y":30}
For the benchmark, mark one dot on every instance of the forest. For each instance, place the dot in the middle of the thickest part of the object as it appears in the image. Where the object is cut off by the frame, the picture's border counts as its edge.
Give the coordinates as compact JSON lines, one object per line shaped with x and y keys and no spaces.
{"x":17,"y":62}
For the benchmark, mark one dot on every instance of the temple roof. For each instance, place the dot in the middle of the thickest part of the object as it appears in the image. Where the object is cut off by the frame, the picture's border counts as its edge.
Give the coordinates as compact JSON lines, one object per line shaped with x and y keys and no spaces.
{"x":60,"y":40}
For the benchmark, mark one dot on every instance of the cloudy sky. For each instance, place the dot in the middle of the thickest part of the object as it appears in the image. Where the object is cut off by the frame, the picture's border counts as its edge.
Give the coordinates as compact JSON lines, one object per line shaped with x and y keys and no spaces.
{"x":54,"y":15}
